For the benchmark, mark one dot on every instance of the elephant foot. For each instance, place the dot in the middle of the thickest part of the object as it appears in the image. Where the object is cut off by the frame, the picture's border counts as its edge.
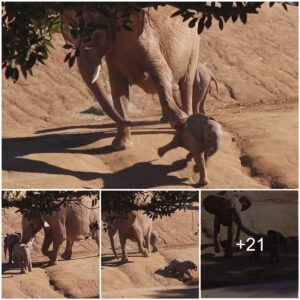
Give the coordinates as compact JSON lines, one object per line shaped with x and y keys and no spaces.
{"x":22,"y":272}
{"x":122,"y":144}
{"x":124,"y":260}
{"x":189,"y":157}
{"x":66,"y":256}
{"x":52,"y":263}
{"x":146,"y":253}
{"x":203,"y":182}
{"x":164,"y":119}
{"x":154,"y":250}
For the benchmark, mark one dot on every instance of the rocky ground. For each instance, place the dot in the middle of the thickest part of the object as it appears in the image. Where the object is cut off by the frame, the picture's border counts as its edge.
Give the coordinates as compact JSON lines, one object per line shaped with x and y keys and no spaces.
{"x":53,"y":139}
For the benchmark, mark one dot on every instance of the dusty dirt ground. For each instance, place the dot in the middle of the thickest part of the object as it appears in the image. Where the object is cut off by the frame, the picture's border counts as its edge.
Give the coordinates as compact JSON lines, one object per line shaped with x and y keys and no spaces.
{"x":238,"y":277}
{"x":144,"y":277}
{"x":76,"y":278}
{"x":51,"y":140}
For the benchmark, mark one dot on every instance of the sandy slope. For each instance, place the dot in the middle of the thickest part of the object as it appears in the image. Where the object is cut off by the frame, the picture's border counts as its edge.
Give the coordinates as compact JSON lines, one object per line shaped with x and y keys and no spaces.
{"x":270,"y":210}
{"x":66,"y":279}
{"x":49,"y":141}
{"x":144,"y":277}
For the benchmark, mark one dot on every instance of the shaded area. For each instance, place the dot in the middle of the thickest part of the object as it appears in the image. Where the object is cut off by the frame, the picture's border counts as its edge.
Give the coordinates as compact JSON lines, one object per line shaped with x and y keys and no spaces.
{"x":15,"y":150}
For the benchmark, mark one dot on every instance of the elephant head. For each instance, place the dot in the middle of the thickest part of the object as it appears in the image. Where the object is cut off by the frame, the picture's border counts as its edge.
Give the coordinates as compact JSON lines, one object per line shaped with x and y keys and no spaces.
{"x":245,"y":202}
{"x":91,"y":52}
{"x":206,"y":131}
{"x":30,"y":227}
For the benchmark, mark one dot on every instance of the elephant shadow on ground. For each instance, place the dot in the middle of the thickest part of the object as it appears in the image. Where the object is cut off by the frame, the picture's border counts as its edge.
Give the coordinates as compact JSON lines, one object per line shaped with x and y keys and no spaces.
{"x":15,"y":151}
{"x":110,"y":261}
{"x":185,"y":280}
{"x":14,"y":269}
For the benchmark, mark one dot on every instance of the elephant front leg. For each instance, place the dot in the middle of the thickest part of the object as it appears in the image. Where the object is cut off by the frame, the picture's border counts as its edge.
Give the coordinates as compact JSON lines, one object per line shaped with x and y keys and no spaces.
{"x":10,"y":256}
{"x":162,"y":77}
{"x":123,"y":247}
{"x":175,"y":142}
{"x":186,"y":92}
{"x":140,"y":241}
{"x":57,"y":242}
{"x":120,"y":95}
{"x":68,"y":251}
{"x":201,"y":166}
{"x":217,"y":243}
{"x":228,"y":249}
{"x":48,"y":239}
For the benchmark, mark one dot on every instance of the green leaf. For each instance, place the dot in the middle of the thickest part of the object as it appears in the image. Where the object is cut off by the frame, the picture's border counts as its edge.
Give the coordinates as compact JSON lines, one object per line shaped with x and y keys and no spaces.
{"x":71,"y":61}
{"x":67,"y":46}
{"x":68,"y":56}
{"x":201,"y":25}
{"x":193,"y":22}
{"x":243,"y":17}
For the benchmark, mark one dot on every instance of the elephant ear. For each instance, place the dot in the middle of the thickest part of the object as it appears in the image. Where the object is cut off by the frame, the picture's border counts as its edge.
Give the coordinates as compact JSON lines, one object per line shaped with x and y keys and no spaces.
{"x":245,"y":202}
{"x":214,"y":204}
{"x":68,"y":19}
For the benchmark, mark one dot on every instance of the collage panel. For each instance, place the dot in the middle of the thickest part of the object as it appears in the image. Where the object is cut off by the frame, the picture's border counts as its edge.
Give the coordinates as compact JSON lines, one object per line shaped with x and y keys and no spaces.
{"x":249,"y":244}
{"x":50,"y":244}
{"x":150,"y":244}
{"x":145,"y":109}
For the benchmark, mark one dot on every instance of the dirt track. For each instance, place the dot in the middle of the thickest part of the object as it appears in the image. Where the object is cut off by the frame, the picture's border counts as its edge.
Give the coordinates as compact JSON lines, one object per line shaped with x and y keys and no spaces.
{"x":51,"y":142}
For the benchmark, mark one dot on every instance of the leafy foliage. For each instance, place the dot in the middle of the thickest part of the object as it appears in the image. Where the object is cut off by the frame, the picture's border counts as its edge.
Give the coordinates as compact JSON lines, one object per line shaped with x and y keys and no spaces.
{"x":28,"y":27}
{"x":30,"y":203}
{"x":155,"y":203}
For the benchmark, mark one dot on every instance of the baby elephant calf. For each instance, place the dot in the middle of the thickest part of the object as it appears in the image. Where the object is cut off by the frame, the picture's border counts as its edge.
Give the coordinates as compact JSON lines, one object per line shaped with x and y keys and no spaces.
{"x":9,"y":241}
{"x":201,"y":136}
{"x":271,"y":241}
{"x":22,"y":257}
{"x":179,"y":268}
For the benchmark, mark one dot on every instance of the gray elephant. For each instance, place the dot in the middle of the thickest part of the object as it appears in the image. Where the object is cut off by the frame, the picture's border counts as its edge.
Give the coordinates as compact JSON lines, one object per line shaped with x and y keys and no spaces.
{"x":227,"y":209}
{"x":22,"y":256}
{"x":137,"y":227}
{"x":201,"y":136}
{"x":70,"y":223}
{"x":113,"y":228}
{"x":159,"y":51}
{"x":179,"y":268}
{"x":201,"y":87}
{"x":9,"y":241}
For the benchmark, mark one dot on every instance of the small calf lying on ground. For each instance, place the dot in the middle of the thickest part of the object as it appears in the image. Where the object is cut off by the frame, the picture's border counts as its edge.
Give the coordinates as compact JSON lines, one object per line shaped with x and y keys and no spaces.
{"x":179,"y":268}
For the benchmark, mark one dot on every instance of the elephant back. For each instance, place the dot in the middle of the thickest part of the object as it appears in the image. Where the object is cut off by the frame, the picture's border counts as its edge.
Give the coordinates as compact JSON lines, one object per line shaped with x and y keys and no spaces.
{"x":214,"y":204}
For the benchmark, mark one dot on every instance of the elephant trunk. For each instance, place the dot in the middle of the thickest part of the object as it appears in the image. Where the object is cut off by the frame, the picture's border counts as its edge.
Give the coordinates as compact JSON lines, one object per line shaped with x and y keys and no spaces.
{"x":243,"y":227}
{"x":90,"y":74}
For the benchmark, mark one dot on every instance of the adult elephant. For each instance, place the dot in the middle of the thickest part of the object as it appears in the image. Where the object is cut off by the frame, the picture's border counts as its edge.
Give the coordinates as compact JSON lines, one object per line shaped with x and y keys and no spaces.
{"x":158,"y":53}
{"x":227,"y":207}
{"x":70,"y":223}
